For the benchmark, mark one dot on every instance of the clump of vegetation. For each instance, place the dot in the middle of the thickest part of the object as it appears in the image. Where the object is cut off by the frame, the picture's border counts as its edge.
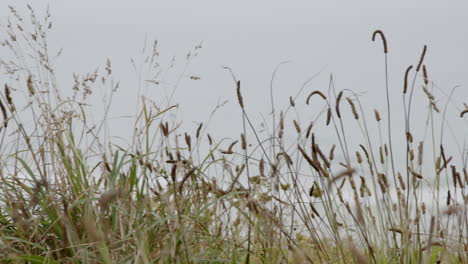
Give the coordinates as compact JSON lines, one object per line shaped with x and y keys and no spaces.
{"x":69,"y":194}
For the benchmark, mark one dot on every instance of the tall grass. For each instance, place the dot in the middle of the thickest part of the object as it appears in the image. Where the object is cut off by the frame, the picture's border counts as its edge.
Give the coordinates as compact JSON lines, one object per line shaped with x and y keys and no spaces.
{"x":70,"y":194}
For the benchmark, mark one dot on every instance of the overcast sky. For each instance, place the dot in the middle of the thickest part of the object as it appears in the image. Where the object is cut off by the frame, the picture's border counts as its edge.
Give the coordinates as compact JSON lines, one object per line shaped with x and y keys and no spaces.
{"x":253,"y":37}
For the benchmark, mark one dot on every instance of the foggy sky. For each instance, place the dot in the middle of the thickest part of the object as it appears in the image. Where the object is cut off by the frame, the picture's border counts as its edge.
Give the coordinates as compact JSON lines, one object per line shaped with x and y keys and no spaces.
{"x":253,"y":37}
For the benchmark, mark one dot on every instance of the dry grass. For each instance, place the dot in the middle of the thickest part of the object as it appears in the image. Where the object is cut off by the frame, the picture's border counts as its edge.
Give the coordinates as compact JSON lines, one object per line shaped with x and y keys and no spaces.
{"x":69,"y":194}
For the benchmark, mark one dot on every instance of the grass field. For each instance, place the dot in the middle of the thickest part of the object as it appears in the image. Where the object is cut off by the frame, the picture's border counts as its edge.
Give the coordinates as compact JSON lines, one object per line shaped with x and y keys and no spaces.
{"x":70,"y":194}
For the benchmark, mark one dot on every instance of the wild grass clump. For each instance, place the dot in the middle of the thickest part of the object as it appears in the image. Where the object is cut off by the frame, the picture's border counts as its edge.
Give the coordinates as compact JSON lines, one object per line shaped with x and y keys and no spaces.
{"x":71,"y":194}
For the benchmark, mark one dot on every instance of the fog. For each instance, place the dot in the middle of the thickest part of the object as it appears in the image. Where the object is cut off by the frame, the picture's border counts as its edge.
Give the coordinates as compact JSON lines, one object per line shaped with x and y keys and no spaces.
{"x":252,"y":38}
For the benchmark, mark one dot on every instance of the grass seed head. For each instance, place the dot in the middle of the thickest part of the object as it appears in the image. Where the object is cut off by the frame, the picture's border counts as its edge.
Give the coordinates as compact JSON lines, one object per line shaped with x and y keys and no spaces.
{"x":30,"y":86}
{"x":405,"y":86}
{"x":353,"y":108}
{"x":426,"y":80}
{"x":421,"y":59}
{"x":296,"y":125}
{"x":239,"y":95}
{"x":329,"y":115}
{"x":313,"y":93}
{"x":384,"y":40}
{"x":199,"y":130}
{"x":291,"y":101}
{"x":337,"y":104}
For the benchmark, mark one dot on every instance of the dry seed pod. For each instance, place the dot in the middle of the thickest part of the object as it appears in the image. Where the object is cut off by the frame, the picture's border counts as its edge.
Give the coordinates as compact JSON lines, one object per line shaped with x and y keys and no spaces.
{"x":322,"y":156}
{"x":420,"y":153}
{"x":409,"y":137}
{"x":210,"y":141}
{"x":401,"y":197}
{"x":437,"y":163}
{"x":312,"y":145}
{"x":426,"y":80}
{"x":315,"y":190}
{"x":281,"y":122}
{"x":463,"y":112}
{"x":315,"y":92}
{"x":280,"y":133}
{"x":232,"y":145}
{"x":449,"y":197}
{"x":458,"y":176}
{"x":4,"y":113}
{"x":178,"y":155}
{"x":291,"y":101}
{"x":382,"y":160}
{"x":340,"y":195}
{"x":428,"y":94}
{"x":184,"y":179}
{"x":30,"y":86}
{"x":174,"y":172}
{"x":382,"y":184}
{"x":281,"y":125}
{"x":405,"y":87}
{"x":308,"y":159}
{"x":261,"y":167}
{"x":402,"y":183}
{"x":8,"y":98}
{"x":384,"y":40}
{"x":362,"y":190}
{"x":287,"y":158}
{"x":442,"y":153}
{"x":434,"y":106}
{"x":188,"y":141}
{"x":329,"y":114}
{"x":243,"y":141}
{"x":149,"y":166}
{"x":358,"y":157}
{"x":8,"y":94}
{"x":421,"y":59}
{"x":446,"y":162}
{"x":365,"y":152}
{"x":309,"y":129}
{"x":106,"y":166}
{"x":163,"y":129}
{"x":239,"y":95}
{"x":352,"y":183}
{"x":377,"y":115}
{"x":199,"y":130}
{"x":169,"y":155}
{"x":331,"y":156}
{"x":337,"y":104}
{"x":311,"y":190}
{"x":454,"y":175}
{"x":296,"y":125}
{"x":364,"y":186}
{"x":229,"y":151}
{"x":383,"y":177}
{"x":396,"y":230}
{"x":274,"y":170}
{"x":415,"y":174}
{"x":353,"y":108}
{"x":314,"y":210}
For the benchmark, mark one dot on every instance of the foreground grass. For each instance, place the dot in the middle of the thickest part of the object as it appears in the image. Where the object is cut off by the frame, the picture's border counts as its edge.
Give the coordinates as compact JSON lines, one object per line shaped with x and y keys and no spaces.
{"x":69,"y":194}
